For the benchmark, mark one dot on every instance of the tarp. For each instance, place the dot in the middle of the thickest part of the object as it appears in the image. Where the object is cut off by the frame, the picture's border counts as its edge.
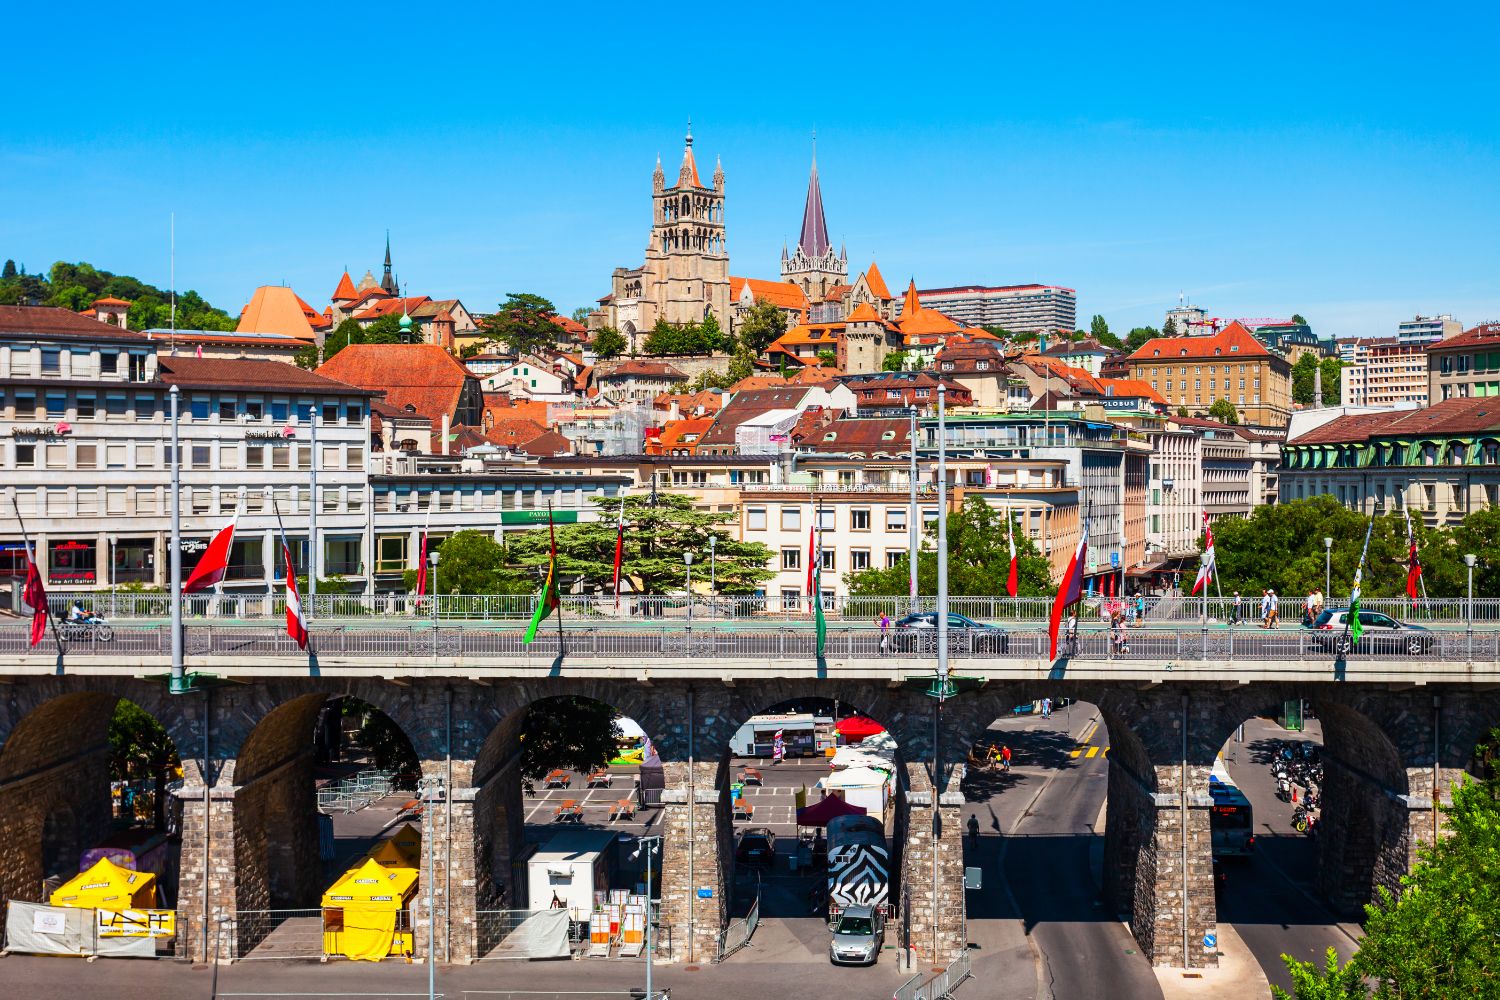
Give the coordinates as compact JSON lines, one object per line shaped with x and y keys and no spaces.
{"x":409,"y":840}
{"x":630,"y":729}
{"x":856,"y":777}
{"x":826,"y":809}
{"x":857,"y":727}
{"x":388,"y":855}
{"x":107,"y":886}
{"x":48,"y":930}
{"x":361,"y":910}
{"x":542,"y":934}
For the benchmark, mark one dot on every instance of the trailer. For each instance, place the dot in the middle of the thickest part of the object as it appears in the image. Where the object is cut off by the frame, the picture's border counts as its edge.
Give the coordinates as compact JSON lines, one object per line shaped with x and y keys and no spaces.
{"x":859,"y":864}
{"x":757,"y":737}
{"x":567,"y":871}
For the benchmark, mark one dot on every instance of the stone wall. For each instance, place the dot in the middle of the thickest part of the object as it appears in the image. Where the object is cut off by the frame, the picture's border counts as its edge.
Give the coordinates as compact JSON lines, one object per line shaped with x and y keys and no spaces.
{"x":934,"y":913}
{"x":697,"y":846}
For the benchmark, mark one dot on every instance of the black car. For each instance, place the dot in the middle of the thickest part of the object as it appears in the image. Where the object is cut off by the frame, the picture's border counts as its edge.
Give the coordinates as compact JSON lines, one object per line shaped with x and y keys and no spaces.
{"x":1381,"y":634}
{"x":756,"y":848}
{"x":919,"y":632}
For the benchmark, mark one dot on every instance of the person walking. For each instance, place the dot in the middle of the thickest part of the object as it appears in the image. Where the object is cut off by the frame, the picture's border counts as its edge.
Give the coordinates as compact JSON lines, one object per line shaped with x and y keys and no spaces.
{"x":1140,"y":608}
{"x":1234,"y":609}
{"x":1046,"y":708}
{"x":885,"y":633}
{"x":1275,"y":618}
{"x":1265,"y":608}
{"x":1309,"y":606}
{"x":1005,"y":758}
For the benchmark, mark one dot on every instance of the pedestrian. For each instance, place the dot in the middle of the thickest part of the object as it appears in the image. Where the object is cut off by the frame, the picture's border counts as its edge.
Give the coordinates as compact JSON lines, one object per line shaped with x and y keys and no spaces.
{"x":1265,"y":608}
{"x":1005,"y":757}
{"x":1234,"y":609}
{"x":1309,"y":606}
{"x":885,"y":633}
{"x":1071,"y":632}
{"x":1140,"y":608}
{"x":1046,"y":708}
{"x":1275,"y":610}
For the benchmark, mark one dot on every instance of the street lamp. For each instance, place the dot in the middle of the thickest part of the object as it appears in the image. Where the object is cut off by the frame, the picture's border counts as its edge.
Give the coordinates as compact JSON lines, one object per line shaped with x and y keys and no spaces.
{"x":432,"y":557}
{"x":429,"y":788}
{"x":713,"y":569}
{"x":1469,"y":560}
{"x":687,"y":557}
{"x":1168,"y":484}
{"x":648,"y":846}
{"x":1327,"y":567}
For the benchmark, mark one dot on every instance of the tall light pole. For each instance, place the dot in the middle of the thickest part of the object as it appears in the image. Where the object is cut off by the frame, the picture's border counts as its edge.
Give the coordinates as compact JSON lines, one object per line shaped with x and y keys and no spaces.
{"x":432,"y":557}
{"x":913,"y":515}
{"x":178,"y":683}
{"x":942,"y":644}
{"x":648,"y":846}
{"x":314,"y":551}
{"x":429,"y":786}
{"x":1327,"y":567}
{"x":713,"y":570}
{"x":687,"y":557}
{"x":1469,"y":560}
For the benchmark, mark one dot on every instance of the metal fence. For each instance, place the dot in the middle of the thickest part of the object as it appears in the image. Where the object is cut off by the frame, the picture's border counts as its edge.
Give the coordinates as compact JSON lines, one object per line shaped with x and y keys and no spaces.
{"x":494,"y":928}
{"x":1180,"y":643}
{"x":739,"y":931}
{"x":938,"y":985}
{"x":259,"y":935}
{"x":231,"y":607}
{"x":350,"y":795}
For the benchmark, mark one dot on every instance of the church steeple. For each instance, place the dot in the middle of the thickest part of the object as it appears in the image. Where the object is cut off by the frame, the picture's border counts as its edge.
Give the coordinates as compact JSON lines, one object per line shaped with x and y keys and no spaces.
{"x":388,"y":280}
{"x":814,"y":241}
{"x":815,"y":267}
{"x":688,"y":175}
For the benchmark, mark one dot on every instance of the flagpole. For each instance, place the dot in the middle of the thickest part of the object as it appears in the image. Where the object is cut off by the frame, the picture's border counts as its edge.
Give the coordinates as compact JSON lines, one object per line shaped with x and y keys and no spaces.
{"x":556,"y":587}
{"x":46,"y":608}
{"x":1351,"y":617}
{"x":178,"y":684}
{"x":913,"y":540}
{"x":312,"y":512}
{"x":942,"y":552}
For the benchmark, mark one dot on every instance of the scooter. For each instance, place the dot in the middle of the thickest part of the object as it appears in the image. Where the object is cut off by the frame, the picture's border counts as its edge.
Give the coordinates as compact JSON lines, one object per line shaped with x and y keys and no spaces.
{"x":93,"y":629}
{"x":1283,"y":789}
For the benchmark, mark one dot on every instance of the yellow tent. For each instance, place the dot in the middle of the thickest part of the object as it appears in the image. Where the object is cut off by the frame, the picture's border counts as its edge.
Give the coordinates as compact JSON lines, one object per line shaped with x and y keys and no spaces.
{"x":409,"y":840}
{"x":388,"y":855}
{"x":362,"y":912}
{"x":107,"y":886}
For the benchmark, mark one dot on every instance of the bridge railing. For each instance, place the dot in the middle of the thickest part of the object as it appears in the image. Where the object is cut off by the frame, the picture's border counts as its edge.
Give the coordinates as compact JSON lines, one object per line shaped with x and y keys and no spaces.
{"x":246,"y":606}
{"x":768,"y":643}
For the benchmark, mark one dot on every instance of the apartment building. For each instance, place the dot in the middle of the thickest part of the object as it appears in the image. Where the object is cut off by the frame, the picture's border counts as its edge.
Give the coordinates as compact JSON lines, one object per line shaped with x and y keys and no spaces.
{"x":1465,"y":366}
{"x":1196,"y":372}
{"x":1423,"y":330}
{"x":1016,"y":308}
{"x":1384,"y":371}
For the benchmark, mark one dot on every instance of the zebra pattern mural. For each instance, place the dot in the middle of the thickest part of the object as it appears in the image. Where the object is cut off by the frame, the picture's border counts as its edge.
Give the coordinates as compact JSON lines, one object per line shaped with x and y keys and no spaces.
{"x":859,"y":875}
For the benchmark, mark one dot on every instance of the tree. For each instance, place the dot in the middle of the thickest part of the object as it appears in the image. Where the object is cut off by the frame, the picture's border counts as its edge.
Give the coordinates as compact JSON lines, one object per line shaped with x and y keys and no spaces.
{"x":761,"y":326}
{"x":472,"y":562}
{"x":894,"y":362}
{"x":1304,"y":379}
{"x":570,"y":732}
{"x":1297,"y":318}
{"x":998,"y":331}
{"x":10,"y":270}
{"x":1330,"y":983}
{"x":581,"y":314}
{"x":827,"y":358}
{"x":1332,"y":390}
{"x":1139,"y":335}
{"x":1182,"y":411}
{"x":742,"y":365}
{"x":710,"y":379}
{"x":1169,"y":328}
{"x":524,"y":323}
{"x":141,"y":750}
{"x":389,"y":748}
{"x":692,"y":338}
{"x":1098,"y":327}
{"x":1223,"y":411}
{"x":385,"y":330}
{"x":657,"y":532}
{"x":609,"y":343}
{"x":1110,"y":340}
{"x":711,"y":336}
{"x":978,"y":560}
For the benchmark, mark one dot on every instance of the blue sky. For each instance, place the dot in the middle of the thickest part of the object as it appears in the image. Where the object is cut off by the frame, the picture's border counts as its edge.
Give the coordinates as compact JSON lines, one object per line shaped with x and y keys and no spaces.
{"x":1341,"y":161}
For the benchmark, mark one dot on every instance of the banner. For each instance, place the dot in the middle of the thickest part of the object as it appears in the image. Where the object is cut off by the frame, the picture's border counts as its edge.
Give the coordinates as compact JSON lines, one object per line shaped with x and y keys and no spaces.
{"x":137,"y":923}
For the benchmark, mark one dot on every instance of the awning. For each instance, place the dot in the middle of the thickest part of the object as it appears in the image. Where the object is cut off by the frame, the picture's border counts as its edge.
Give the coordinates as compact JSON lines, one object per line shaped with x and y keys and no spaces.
{"x":857,"y":727}
{"x":825,"y":809}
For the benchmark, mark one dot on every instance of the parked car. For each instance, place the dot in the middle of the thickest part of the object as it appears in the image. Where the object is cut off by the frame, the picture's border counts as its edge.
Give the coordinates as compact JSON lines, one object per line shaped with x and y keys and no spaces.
{"x":857,"y":936}
{"x":756,"y":848}
{"x":919,"y":632}
{"x":1382,"y":634}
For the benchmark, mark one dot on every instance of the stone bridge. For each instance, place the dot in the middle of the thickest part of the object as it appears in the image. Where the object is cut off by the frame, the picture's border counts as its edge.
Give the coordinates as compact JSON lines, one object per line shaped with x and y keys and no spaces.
{"x":1395,"y":732}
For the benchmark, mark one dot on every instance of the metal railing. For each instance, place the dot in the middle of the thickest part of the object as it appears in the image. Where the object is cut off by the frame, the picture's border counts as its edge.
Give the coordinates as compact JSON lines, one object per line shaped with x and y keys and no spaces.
{"x":260,"y":935}
{"x":706,"y":642}
{"x":738,"y":932}
{"x":937,"y":985}
{"x":231,"y":606}
{"x":350,"y":795}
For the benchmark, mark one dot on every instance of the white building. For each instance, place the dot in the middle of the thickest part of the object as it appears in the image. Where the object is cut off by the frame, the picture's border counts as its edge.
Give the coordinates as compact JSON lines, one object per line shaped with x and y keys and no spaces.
{"x":1016,"y":308}
{"x":531,"y":378}
{"x":1422,"y":330}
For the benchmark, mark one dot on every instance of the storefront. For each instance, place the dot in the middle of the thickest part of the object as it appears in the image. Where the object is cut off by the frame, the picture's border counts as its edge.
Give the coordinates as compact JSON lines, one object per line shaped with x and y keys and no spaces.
{"x":72,"y":562}
{"x":133,"y":561}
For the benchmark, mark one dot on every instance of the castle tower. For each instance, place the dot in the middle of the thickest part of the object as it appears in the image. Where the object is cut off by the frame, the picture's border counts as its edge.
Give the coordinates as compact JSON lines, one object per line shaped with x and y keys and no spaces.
{"x":688,"y":259}
{"x":815,"y":267}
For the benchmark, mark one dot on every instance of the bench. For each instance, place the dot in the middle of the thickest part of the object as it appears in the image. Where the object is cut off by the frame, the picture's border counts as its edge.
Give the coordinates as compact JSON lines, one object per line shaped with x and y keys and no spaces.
{"x":744,"y":808}
{"x":569,"y":812}
{"x":623,"y":809}
{"x":600,"y":778}
{"x":751,"y":776}
{"x":558,"y":779}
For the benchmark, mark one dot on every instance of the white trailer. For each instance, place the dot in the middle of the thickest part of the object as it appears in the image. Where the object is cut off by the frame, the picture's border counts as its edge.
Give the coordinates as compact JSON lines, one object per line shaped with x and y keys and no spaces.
{"x":568,"y":868}
{"x":756,"y":738}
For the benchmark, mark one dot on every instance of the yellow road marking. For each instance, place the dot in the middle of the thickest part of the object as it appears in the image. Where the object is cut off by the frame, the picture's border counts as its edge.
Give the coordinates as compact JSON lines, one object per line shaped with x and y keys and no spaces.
{"x":1092,"y":751}
{"x":1075,"y":753}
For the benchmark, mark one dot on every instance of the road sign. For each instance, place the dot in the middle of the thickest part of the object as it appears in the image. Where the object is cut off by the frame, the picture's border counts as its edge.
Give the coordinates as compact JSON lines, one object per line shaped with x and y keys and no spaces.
{"x":1210,"y":940}
{"x":1114,"y":559}
{"x":973,"y":878}
{"x":705,"y":892}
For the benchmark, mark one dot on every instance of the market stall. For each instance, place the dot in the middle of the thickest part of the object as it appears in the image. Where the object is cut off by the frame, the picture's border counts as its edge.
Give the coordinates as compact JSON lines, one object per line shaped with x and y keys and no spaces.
{"x":107,"y":886}
{"x":365,"y":912}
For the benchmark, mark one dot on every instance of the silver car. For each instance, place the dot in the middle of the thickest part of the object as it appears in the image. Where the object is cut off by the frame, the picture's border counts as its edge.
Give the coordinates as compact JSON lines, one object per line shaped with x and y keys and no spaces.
{"x":857,"y":936}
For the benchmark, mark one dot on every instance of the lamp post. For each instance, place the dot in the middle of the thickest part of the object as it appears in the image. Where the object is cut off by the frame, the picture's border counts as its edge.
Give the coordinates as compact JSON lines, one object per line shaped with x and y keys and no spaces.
{"x":1469,"y":560}
{"x":648,"y":846}
{"x":1168,"y":484}
{"x":1327,"y":566}
{"x":429,"y":787}
{"x":432,"y":557}
{"x":713,"y":571}
{"x":687,"y":558}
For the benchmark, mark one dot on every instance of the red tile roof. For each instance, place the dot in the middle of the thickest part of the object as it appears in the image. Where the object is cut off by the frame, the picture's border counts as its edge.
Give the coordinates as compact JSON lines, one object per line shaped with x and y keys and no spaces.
{"x":110,"y":302}
{"x":782,"y":294}
{"x":640,"y":369}
{"x":392,"y":306}
{"x":1131,"y":388}
{"x":345,"y":291}
{"x":865,"y":313}
{"x":876,"y":281}
{"x":251,"y":373}
{"x":1234,"y":339}
{"x":512,"y":432}
{"x":422,"y":375}
{"x":1483,"y":335}
{"x":59,"y":323}
{"x":683,"y":435}
{"x":548,"y":445}
{"x":1451,"y":416}
{"x":865,"y":436}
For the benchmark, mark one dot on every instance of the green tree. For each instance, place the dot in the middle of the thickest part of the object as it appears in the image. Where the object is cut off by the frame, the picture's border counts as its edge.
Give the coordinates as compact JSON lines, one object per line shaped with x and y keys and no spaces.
{"x":710,"y":379}
{"x":1332,"y":390}
{"x":1222,"y":410}
{"x":10,"y":270}
{"x":712,"y":336}
{"x":761,"y":326}
{"x":141,"y":750}
{"x":1303,"y":379}
{"x":1182,"y":411}
{"x":1169,"y":328}
{"x":385,"y":330}
{"x":826,"y":358}
{"x":1098,"y":327}
{"x":998,"y":331}
{"x":524,"y":323}
{"x":472,"y":562}
{"x":742,"y":365}
{"x":894,"y":362}
{"x":1139,"y":335}
{"x":1110,"y":340}
{"x":581,"y":314}
{"x":657,"y":532}
{"x":1329,"y":983}
{"x":389,"y":748}
{"x":1297,"y":318}
{"x":609,"y":343}
{"x":978,"y":560}
{"x":567,"y":731}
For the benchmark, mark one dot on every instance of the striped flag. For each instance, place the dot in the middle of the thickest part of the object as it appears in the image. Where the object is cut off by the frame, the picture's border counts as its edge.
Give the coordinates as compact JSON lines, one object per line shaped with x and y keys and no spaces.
{"x":548,"y":602}
{"x":422,"y":557}
{"x":1413,"y":564}
{"x":214,"y":562}
{"x":1012,"y":581}
{"x":1352,"y":620}
{"x":35,"y":596}
{"x":1206,"y":567}
{"x":1070,"y":590}
{"x":619,"y":549}
{"x":296,"y":622}
{"x":778,"y":747}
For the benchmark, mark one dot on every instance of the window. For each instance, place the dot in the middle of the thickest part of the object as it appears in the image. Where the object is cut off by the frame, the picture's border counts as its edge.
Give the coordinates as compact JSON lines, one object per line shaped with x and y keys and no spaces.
{"x":246,"y":560}
{"x":114,"y":404}
{"x":331,"y":457}
{"x":791,"y":558}
{"x":829,"y":558}
{"x":859,"y":559}
{"x":145,"y":456}
{"x":354,"y":413}
{"x":390,"y":554}
{"x":25,"y":405}
{"x":114,"y":457}
{"x":791,"y":519}
{"x":791,"y":599}
{"x":51,"y":361}
{"x":145,"y":406}
{"x":826,"y":519}
{"x":356,"y":458}
{"x":280,"y":457}
{"x":226,"y":408}
{"x":929,"y":515}
{"x":200,"y":456}
{"x":88,"y":456}
{"x":109,"y":362}
{"x":330,"y":413}
{"x":85,"y":406}
{"x":138,"y":368}
{"x":893,"y":557}
{"x":198,"y":407}
{"x":57,"y":456}
{"x":253,"y":409}
{"x":25,"y":456}
{"x":755,"y":519}
{"x":280,"y":411}
{"x":859,"y":519}
{"x":255,"y":456}
{"x":895,"y":519}
{"x":57,"y":404}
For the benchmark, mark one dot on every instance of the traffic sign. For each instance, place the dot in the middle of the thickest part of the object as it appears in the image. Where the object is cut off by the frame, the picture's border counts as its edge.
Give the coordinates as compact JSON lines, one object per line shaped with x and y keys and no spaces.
{"x":1114,"y":559}
{"x":1210,"y":940}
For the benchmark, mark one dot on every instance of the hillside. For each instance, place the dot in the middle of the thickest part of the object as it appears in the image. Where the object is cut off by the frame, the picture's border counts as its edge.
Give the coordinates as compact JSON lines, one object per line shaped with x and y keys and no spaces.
{"x":76,"y":286}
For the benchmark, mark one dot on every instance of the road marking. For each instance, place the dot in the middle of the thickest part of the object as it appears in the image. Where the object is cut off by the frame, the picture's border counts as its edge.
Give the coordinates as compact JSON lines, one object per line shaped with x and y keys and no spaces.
{"x":1076,"y":752}
{"x":1092,"y":751}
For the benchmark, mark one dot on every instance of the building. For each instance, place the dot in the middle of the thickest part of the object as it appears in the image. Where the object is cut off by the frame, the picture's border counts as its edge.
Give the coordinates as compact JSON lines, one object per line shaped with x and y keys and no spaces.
{"x":685,"y":275}
{"x":421,"y":378}
{"x":746,"y":293}
{"x":277,"y":309}
{"x":722,"y":437}
{"x":981,"y":368}
{"x":1440,"y":462}
{"x":1420,"y":331}
{"x":1196,"y":372}
{"x":858,"y":344}
{"x":1383,"y":371}
{"x":1089,"y":355}
{"x":1294,"y":340}
{"x":1016,"y":308}
{"x":1464,"y":366}
{"x":1187,"y":321}
{"x":227,"y":344}
{"x":900,"y":392}
{"x":638,"y":381}
{"x":531,"y":377}
{"x":814,"y":267}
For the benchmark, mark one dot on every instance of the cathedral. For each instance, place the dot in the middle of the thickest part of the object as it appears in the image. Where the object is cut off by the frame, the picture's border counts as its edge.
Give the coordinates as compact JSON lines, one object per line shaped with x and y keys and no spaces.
{"x":815,"y":268}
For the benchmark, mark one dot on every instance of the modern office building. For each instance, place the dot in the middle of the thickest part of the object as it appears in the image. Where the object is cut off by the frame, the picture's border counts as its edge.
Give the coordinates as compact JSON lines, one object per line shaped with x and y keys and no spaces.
{"x":1422,"y":330}
{"x":1383,"y":371}
{"x":1016,"y":308}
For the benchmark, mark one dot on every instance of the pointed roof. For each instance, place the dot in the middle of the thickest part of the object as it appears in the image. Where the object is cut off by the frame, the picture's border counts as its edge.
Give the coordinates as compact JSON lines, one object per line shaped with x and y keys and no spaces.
{"x":911,"y":303}
{"x":688,"y":175}
{"x":345,"y":292}
{"x":277,"y":309}
{"x":876,"y":281}
{"x":814,"y":239}
{"x":864,"y":313}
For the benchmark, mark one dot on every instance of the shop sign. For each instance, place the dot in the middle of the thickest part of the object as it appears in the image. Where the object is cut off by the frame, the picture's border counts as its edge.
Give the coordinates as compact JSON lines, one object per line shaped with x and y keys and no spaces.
{"x":137,"y":923}
{"x":63,"y":566}
{"x":43,"y":431}
{"x":538,"y":517}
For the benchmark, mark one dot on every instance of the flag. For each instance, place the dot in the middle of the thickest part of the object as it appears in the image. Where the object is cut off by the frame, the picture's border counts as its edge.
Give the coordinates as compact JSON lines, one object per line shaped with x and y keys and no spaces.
{"x":619,"y":550}
{"x":1352,"y":621}
{"x":214,"y":561}
{"x":422,"y":557}
{"x":1011,"y":581}
{"x":1413,"y":564}
{"x":778,"y":747}
{"x":1070,"y":591}
{"x":812,"y":533}
{"x":819,"y":622}
{"x":548,"y":601}
{"x":296,"y":624}
{"x":35,"y":595}
{"x":1206,"y":567}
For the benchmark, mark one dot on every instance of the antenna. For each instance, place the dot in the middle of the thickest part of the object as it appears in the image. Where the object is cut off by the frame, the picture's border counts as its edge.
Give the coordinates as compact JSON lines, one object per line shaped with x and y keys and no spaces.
{"x":172,"y":275}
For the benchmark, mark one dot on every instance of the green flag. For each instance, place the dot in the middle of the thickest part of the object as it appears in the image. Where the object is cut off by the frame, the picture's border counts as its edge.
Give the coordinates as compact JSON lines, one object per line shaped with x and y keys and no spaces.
{"x":548,"y":601}
{"x":1355,"y":628}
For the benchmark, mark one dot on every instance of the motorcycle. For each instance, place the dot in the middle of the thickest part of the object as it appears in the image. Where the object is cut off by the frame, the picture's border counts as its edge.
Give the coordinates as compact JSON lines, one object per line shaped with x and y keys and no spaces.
{"x":94,"y":629}
{"x":1283,"y":789}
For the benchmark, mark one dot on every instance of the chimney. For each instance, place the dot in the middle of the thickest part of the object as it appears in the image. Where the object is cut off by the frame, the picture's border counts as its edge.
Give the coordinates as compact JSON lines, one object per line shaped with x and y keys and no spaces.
{"x":443,"y":448}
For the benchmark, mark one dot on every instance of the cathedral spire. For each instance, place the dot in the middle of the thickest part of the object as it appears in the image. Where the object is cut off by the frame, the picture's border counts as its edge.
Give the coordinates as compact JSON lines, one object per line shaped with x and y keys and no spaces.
{"x":814,"y":240}
{"x":387,"y":280}
{"x":688,"y":175}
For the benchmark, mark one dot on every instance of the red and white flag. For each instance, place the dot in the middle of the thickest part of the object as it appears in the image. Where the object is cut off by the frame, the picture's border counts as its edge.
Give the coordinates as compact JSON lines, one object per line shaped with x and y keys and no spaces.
{"x":1012,"y":581}
{"x":1413,"y":564}
{"x":214,"y":561}
{"x":1206,"y":568}
{"x":296,"y":624}
{"x":812,"y":554}
{"x":1070,"y":590}
{"x":35,"y":595}
{"x":619,"y":550}
{"x":422,"y":557}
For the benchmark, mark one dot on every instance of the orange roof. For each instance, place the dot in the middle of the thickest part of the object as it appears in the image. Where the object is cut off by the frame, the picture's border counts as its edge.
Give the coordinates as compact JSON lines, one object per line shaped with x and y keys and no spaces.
{"x":499,"y":406}
{"x":813,"y":374}
{"x":423,"y":375}
{"x":1233,"y":339}
{"x":345,"y":291}
{"x":920,"y":322}
{"x":513,"y":432}
{"x":110,"y":302}
{"x":688,"y":175}
{"x":876,"y":281}
{"x":1132,"y":387}
{"x":684,"y":434}
{"x":978,"y":333}
{"x":836,"y":293}
{"x":865,"y":313}
{"x":277,"y":309}
{"x":373,"y":292}
{"x":570,"y":325}
{"x":392,"y":307}
{"x":911,"y":303}
{"x":783,"y":294}
{"x":822,"y":334}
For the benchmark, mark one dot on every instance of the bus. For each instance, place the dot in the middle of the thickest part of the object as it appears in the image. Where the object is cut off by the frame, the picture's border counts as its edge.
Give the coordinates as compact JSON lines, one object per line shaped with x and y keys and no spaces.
{"x":1230,"y":820}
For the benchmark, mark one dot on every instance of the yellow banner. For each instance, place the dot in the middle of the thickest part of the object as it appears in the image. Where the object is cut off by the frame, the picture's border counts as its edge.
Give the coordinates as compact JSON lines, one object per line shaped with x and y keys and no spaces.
{"x":137,"y":923}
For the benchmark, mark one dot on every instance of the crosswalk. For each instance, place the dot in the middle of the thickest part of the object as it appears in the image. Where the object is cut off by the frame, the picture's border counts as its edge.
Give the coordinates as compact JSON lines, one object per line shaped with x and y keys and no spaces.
{"x":1086,"y":747}
{"x":1089,"y":751}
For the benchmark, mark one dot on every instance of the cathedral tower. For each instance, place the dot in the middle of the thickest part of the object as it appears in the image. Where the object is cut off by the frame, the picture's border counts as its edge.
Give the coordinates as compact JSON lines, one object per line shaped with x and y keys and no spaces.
{"x":688,"y":251}
{"x":814,"y":267}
